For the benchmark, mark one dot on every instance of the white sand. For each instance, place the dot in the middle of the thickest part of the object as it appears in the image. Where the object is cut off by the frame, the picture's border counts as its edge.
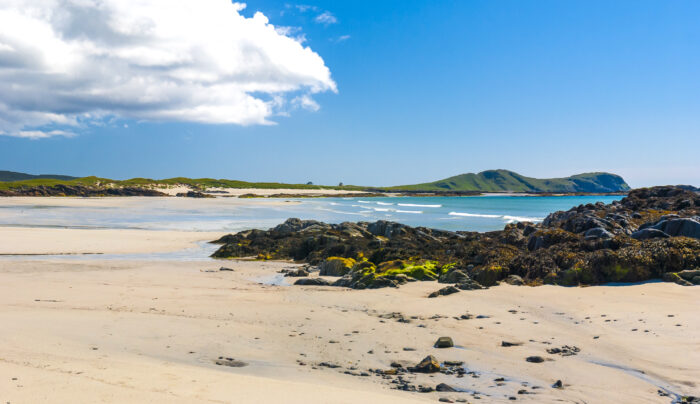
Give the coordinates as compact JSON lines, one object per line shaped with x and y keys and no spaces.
{"x":24,"y":240}
{"x":127,"y":331}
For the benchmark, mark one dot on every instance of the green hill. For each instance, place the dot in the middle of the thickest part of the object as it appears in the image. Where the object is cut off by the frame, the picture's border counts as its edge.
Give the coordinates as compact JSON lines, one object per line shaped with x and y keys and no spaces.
{"x":508,"y":181}
{"x":8,"y":176}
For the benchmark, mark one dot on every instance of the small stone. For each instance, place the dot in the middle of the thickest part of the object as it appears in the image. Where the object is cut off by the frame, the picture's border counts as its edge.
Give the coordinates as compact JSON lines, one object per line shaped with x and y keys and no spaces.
{"x":558,"y":384}
{"x":535,"y":359}
{"x":509,"y":344}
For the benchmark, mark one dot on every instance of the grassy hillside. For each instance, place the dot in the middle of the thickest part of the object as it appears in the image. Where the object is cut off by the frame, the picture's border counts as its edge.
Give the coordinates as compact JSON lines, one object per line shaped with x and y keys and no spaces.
{"x":508,"y":181}
{"x":147,"y":182}
{"x":7,"y":176}
{"x":486,"y":181}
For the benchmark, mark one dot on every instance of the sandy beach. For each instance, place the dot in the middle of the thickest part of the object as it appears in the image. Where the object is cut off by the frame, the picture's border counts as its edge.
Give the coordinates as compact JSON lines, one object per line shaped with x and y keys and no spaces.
{"x":151,"y":331}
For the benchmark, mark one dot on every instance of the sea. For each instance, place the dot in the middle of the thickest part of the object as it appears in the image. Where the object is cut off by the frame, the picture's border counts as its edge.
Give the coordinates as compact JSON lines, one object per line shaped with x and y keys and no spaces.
{"x":467,"y":213}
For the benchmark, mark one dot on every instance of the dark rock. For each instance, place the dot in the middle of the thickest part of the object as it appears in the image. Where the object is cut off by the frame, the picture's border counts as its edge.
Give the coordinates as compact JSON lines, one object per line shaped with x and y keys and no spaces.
{"x":447,"y":290}
{"x":225,"y":269}
{"x":558,"y":384}
{"x":428,"y":365}
{"x":444,"y":342}
{"x":514,"y":280}
{"x":444,"y":387}
{"x":509,"y":344}
{"x":597,"y":232}
{"x":312,"y":282}
{"x":299,"y":272}
{"x":194,"y":194}
{"x":535,"y":359}
{"x":562,"y":250}
{"x":648,"y":234}
{"x":230,"y":362}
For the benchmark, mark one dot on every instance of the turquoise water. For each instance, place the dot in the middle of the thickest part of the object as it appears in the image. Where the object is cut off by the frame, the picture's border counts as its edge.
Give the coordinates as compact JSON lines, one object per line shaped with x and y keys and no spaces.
{"x":482,"y":213}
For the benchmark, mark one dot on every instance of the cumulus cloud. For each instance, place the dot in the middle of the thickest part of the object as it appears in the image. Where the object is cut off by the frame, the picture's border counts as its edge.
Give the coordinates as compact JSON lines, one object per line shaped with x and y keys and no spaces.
{"x":326,"y":18}
{"x":67,"y":64}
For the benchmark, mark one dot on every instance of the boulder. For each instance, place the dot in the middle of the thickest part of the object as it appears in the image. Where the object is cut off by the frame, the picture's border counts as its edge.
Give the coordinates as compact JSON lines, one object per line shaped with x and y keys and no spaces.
{"x":675,"y":227}
{"x":535,"y":359}
{"x":444,"y":342}
{"x":444,"y":387}
{"x":454,"y":276}
{"x":312,"y":282}
{"x":336,"y":266}
{"x":428,"y":365}
{"x":648,"y":234}
{"x":596,"y":233}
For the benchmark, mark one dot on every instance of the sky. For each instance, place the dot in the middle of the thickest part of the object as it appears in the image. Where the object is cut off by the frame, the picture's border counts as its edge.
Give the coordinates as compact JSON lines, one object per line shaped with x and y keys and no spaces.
{"x":360,"y":92}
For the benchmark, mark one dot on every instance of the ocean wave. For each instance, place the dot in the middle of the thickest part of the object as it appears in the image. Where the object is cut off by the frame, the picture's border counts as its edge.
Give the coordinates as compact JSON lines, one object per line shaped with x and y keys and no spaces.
{"x":419,"y":205}
{"x":512,"y":219}
{"x":408,"y":211}
{"x":341,"y":212}
{"x":381,"y":209}
{"x":474,"y":215}
{"x":364,"y":202}
{"x":384,"y":203}
{"x":507,"y":218}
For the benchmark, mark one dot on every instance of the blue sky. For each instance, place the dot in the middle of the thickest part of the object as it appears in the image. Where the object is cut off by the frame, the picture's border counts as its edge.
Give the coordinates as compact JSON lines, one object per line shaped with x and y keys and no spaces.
{"x":426,"y":90}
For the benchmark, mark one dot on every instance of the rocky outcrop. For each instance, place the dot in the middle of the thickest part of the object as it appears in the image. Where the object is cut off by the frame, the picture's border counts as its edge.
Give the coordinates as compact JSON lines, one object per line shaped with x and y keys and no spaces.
{"x":79,"y":190}
{"x":646,"y":235}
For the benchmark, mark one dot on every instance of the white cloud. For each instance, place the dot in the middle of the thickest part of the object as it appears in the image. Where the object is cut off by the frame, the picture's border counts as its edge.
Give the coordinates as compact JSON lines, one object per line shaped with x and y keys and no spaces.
{"x":306,"y":102}
{"x":74,"y":63}
{"x":342,"y":38}
{"x":38,"y":134}
{"x":326,"y":18}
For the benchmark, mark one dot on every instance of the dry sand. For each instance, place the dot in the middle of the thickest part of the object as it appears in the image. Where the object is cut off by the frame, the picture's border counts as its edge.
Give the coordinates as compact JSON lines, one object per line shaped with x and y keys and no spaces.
{"x":99,"y":330}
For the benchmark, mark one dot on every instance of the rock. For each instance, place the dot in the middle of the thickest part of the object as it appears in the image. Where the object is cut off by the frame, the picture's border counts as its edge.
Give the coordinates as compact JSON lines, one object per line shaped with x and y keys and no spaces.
{"x":558,"y":384}
{"x":564,"y":350}
{"x":514,"y":280}
{"x":509,"y":344}
{"x":676,"y":227}
{"x":674,"y":277}
{"x":194,"y":194}
{"x":445,"y":400}
{"x":428,"y":365}
{"x":444,"y":342}
{"x":586,"y":245}
{"x":230,"y":362}
{"x":455,"y":276}
{"x":299,"y":272}
{"x":470,"y":284}
{"x":648,"y":234}
{"x":312,"y":282}
{"x":225,"y":269}
{"x":597,"y":232}
{"x":444,"y":387}
{"x":535,"y":359}
{"x":336,"y":266}
{"x":447,"y":290}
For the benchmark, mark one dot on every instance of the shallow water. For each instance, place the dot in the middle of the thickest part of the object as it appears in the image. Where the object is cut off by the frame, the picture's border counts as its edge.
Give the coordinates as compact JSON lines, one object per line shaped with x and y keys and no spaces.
{"x":482,"y":213}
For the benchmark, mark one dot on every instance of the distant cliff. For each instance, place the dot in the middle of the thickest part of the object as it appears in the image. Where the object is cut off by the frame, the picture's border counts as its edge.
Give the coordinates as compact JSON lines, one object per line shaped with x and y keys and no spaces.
{"x":508,"y":181}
